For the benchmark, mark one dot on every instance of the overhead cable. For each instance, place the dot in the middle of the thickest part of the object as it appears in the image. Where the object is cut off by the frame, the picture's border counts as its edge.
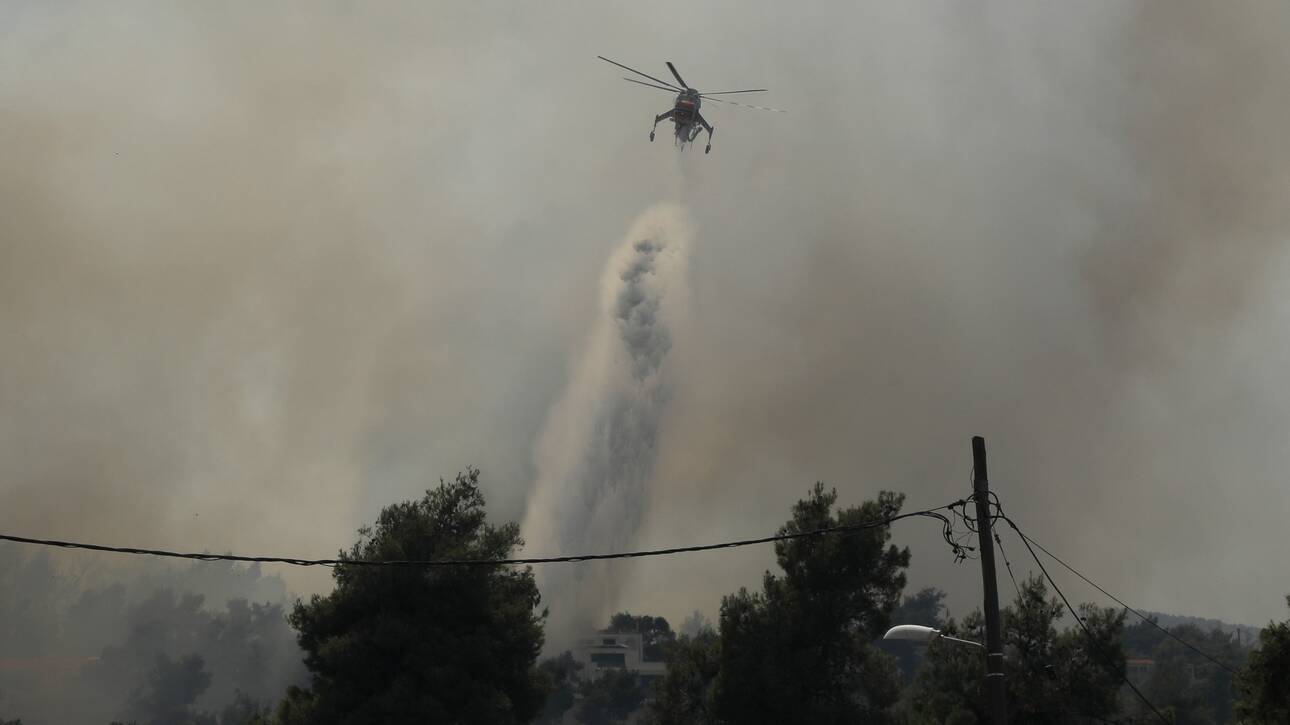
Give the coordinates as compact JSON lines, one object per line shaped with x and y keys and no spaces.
{"x":1093,"y":644}
{"x":1140,"y":615}
{"x":934,"y":513}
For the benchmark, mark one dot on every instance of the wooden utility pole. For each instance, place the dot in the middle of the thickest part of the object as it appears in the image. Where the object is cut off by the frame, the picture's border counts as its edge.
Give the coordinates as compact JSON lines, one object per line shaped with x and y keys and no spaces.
{"x":994,"y":683}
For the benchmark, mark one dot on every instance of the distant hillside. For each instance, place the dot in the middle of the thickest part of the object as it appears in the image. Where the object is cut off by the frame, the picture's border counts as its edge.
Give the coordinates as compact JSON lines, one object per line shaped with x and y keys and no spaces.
{"x":1248,"y":633}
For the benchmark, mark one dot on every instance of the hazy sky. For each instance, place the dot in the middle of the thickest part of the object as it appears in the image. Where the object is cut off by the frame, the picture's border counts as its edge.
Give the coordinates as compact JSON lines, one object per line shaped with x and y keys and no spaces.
{"x":266,"y":267}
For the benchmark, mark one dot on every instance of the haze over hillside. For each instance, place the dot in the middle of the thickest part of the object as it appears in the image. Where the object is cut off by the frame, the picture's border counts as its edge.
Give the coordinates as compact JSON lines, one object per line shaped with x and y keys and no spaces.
{"x":266,"y":269}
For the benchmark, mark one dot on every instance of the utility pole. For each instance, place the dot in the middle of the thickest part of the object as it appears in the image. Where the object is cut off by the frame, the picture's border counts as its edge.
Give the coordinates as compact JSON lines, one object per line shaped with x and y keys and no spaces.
{"x":994,"y":683}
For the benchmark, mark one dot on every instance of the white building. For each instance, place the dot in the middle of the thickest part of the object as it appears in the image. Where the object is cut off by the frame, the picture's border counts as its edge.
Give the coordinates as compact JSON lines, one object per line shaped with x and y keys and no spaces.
{"x":599,"y":652}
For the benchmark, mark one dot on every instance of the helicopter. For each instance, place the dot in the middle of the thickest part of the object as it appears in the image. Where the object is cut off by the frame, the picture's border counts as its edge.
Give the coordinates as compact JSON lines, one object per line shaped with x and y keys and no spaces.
{"x":685,"y":109}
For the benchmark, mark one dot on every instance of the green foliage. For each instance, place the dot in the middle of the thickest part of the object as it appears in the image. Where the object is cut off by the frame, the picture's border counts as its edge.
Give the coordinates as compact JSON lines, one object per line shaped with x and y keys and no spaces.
{"x":799,"y":651}
{"x":53,"y":616}
{"x":1188,"y":686}
{"x":924,"y":608}
{"x":1052,"y":676}
{"x":171,"y":689}
{"x":656,"y":634}
{"x":696,"y":624}
{"x":247,"y":646}
{"x":686,"y":695}
{"x":1066,"y":676}
{"x":1142,"y":639}
{"x":1264,"y":685}
{"x":611,"y":697}
{"x":404,"y":644}
{"x":1183,"y":684}
{"x":561,"y":676}
{"x":948,"y":686}
{"x":244,"y":710}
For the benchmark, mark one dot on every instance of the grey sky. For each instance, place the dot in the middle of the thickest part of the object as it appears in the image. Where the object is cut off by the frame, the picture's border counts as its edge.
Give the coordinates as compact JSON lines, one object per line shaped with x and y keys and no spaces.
{"x":265,"y":267}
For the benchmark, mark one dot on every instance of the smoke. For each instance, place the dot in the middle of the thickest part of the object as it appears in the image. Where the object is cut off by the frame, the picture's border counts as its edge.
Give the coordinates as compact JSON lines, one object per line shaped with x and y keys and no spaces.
{"x":1183,"y":248}
{"x":1063,"y":229}
{"x":239,"y":302}
{"x":596,"y":455}
{"x":265,"y":271}
{"x":80,"y":646}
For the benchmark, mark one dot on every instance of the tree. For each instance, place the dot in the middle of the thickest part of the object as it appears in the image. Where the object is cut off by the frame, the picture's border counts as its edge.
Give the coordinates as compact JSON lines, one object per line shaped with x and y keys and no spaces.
{"x":247,"y":648}
{"x":800,"y":650}
{"x":696,"y":624}
{"x":561,"y":675}
{"x":948,"y":685}
{"x":923,"y":608}
{"x":686,"y":695}
{"x":1264,"y":685}
{"x":57,"y":613}
{"x":243,"y":710}
{"x":418,"y":644}
{"x":656,"y":634}
{"x":1069,"y":675}
{"x":1142,"y":639}
{"x":1052,"y":676}
{"x":171,"y":689}
{"x":611,"y":697}
{"x":1187,"y":685}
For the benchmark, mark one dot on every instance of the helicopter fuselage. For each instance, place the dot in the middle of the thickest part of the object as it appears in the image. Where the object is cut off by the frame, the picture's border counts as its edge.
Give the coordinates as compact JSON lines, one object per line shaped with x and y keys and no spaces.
{"x":685,"y":111}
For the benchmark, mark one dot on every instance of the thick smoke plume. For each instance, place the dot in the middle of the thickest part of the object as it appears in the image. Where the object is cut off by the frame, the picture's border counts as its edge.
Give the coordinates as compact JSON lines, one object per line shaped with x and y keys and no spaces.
{"x":596,"y":456}
{"x":264,"y":269}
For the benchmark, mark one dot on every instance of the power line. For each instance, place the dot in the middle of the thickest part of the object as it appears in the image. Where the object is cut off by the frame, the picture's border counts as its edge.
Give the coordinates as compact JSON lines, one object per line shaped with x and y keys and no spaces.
{"x":1140,"y":615}
{"x":947,"y":527}
{"x":1080,"y":620}
{"x":1007,"y":563}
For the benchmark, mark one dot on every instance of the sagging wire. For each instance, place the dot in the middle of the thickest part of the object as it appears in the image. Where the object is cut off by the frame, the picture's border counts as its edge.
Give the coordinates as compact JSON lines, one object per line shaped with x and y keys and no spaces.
{"x":1140,"y":615}
{"x":1078,"y":619}
{"x":934,"y":513}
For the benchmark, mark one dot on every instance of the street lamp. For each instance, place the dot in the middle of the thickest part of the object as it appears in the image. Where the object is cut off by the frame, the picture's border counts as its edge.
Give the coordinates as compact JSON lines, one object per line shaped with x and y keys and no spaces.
{"x":918,"y":633}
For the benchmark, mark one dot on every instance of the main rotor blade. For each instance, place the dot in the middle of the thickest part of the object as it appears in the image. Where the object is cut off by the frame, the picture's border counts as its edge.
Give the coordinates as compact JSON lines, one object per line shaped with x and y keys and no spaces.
{"x":679,"y":79}
{"x":650,"y":85}
{"x":718,"y":93}
{"x":656,"y":80}
{"x":745,"y":105}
